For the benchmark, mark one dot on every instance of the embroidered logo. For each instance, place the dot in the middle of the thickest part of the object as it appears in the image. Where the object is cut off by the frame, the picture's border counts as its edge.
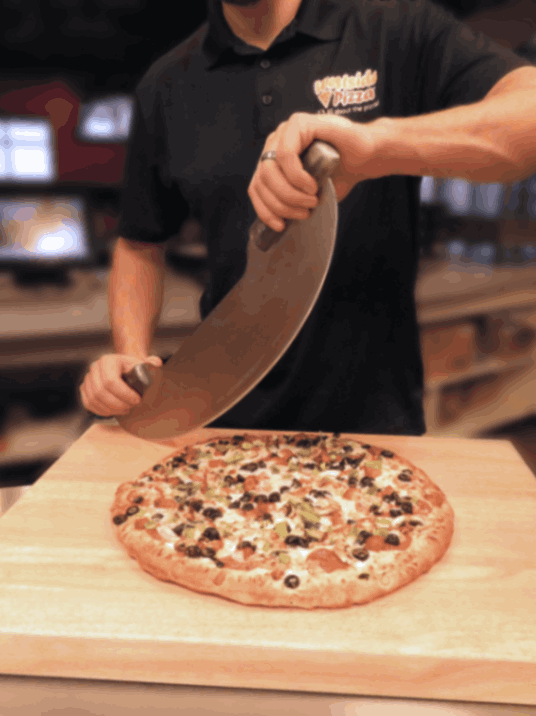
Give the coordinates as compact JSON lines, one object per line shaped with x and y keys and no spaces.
{"x":347,"y":91}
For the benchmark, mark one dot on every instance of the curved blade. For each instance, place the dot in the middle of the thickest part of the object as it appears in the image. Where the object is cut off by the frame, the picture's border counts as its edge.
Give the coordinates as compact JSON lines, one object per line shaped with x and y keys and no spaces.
{"x":246,"y":334}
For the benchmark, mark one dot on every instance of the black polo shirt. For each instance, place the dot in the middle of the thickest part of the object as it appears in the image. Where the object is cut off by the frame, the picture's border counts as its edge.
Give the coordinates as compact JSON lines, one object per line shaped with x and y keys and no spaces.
{"x":203,"y":112}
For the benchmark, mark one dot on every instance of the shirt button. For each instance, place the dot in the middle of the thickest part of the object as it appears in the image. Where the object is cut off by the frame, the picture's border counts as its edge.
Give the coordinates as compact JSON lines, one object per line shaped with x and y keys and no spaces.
{"x":267,"y":99}
{"x":265,"y":64}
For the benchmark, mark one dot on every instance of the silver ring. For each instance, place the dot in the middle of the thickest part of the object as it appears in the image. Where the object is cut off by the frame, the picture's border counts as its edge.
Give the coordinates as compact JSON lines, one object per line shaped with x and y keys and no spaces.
{"x":268,"y":155}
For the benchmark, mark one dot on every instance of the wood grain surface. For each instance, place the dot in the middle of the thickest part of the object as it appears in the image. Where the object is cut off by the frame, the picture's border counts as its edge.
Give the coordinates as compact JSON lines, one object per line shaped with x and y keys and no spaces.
{"x":74,"y":605}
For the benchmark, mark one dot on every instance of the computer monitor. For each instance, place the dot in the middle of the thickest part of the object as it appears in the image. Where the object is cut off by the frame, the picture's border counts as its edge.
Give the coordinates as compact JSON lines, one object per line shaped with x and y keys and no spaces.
{"x":106,"y":120}
{"x":27,"y":151}
{"x":45,"y":232}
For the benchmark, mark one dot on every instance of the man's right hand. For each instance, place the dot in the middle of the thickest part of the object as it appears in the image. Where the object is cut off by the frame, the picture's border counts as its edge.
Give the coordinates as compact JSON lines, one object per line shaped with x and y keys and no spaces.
{"x":104,"y":392}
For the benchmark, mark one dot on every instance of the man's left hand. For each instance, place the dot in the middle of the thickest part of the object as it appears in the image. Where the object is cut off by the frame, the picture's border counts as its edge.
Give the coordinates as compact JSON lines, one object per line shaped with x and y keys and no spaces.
{"x":282,"y":189}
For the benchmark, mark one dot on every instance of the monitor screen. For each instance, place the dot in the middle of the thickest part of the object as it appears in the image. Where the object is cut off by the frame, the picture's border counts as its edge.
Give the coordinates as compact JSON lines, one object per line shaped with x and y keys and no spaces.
{"x":108,"y":119}
{"x":27,"y":151}
{"x":50,"y":229}
{"x":464,"y":199}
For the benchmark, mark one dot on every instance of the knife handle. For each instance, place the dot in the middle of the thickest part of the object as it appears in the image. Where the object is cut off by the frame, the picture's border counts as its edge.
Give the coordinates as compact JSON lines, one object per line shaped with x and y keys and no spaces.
{"x":138,"y":378}
{"x":320,"y":160}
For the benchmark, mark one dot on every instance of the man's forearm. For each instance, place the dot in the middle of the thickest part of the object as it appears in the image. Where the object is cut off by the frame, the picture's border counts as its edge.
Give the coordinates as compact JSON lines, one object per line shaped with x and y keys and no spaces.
{"x":135,"y":296}
{"x":493,"y":140}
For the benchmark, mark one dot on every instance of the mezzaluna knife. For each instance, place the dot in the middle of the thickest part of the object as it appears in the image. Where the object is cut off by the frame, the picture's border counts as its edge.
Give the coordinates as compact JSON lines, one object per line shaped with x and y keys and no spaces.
{"x":249,"y":330}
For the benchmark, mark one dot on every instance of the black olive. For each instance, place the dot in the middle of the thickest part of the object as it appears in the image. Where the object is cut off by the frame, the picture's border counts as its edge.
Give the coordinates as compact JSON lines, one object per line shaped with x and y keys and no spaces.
{"x":245,"y":545}
{"x":283,"y":489}
{"x":316,"y":441}
{"x":296,"y":482}
{"x":178,"y":498}
{"x":404,"y":477}
{"x":194,"y":551}
{"x":392,"y":539}
{"x":178,"y":529}
{"x":354,"y":461}
{"x":347,"y":448}
{"x":395,"y":513}
{"x":157,"y":516}
{"x":223,"y":442}
{"x":415,"y":523}
{"x":287,"y":509}
{"x":361,"y":554}
{"x":304,"y":443}
{"x":196,"y":505}
{"x":310,"y":465}
{"x":250,"y":467}
{"x":211,"y":533}
{"x":260,"y":498}
{"x":352,"y":481}
{"x":132,"y":510}
{"x":157,"y":467}
{"x":274,"y":497}
{"x":248,"y":506}
{"x":261,"y":463}
{"x":267,"y":517}
{"x":238,"y":438}
{"x":235,"y":505}
{"x":229,"y":480}
{"x":240,"y":478}
{"x":363,"y":536}
{"x":364,"y":576}
{"x":387,"y":453}
{"x":177,"y":461}
{"x":209,"y":552}
{"x":219,"y":563}
{"x":375,"y":509}
{"x":194,"y":467}
{"x":336,"y":435}
{"x":407,"y":507}
{"x":367,"y":482}
{"x":138,"y":499}
{"x":119,"y":519}
{"x":292,"y":581}
{"x":319,"y":493}
{"x":296,"y":541}
{"x":350,"y":522}
{"x":212,"y":513}
{"x":246,"y":497}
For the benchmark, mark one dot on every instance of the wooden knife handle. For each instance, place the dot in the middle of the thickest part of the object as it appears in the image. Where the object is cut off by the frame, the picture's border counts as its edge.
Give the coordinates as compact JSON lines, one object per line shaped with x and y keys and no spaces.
{"x":320,"y":160}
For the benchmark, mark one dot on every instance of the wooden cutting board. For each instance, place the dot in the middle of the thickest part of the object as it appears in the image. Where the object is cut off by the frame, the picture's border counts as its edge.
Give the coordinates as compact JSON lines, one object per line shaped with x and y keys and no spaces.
{"x":73,"y":604}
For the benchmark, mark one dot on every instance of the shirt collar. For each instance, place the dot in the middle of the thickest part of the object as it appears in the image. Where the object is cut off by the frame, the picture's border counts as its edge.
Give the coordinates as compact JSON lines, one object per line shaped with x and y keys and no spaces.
{"x":321,"y":19}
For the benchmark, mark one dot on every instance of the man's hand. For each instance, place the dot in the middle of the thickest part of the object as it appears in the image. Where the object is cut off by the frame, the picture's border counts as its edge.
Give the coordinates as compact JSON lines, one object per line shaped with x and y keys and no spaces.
{"x":282,"y":189}
{"x":104,"y":392}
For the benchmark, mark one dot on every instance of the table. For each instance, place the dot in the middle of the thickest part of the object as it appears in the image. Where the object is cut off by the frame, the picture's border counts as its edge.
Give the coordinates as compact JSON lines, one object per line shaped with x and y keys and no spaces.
{"x":462,"y":635}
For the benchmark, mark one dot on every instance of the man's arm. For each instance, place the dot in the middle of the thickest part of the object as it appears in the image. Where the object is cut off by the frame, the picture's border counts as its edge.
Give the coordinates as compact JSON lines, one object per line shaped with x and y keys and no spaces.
{"x":493,"y":140}
{"x":135,"y":295}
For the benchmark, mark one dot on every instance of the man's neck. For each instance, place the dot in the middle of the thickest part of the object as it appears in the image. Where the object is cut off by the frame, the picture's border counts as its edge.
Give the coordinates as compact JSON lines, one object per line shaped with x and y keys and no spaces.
{"x":260,"y":24}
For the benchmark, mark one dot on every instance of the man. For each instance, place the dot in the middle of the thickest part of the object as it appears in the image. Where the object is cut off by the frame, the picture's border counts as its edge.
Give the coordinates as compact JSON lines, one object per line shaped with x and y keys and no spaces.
{"x":402,"y":90}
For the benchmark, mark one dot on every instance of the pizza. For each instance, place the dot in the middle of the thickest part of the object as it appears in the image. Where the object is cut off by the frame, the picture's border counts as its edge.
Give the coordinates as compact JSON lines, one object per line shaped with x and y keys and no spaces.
{"x":302,"y":520}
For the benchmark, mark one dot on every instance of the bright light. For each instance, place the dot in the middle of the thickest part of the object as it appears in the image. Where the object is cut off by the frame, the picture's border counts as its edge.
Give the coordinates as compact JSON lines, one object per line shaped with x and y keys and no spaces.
{"x":27,"y":150}
{"x":30,"y":162}
{"x":106,"y":119}
{"x":60,"y":242}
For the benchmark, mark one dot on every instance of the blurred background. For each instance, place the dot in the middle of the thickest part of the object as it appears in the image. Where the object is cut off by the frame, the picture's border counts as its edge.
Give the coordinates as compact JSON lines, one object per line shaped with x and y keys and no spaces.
{"x":70,"y":68}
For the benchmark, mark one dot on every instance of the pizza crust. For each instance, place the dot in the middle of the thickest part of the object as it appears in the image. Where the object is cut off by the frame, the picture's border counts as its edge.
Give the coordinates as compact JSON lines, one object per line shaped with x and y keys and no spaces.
{"x":391,"y":570}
